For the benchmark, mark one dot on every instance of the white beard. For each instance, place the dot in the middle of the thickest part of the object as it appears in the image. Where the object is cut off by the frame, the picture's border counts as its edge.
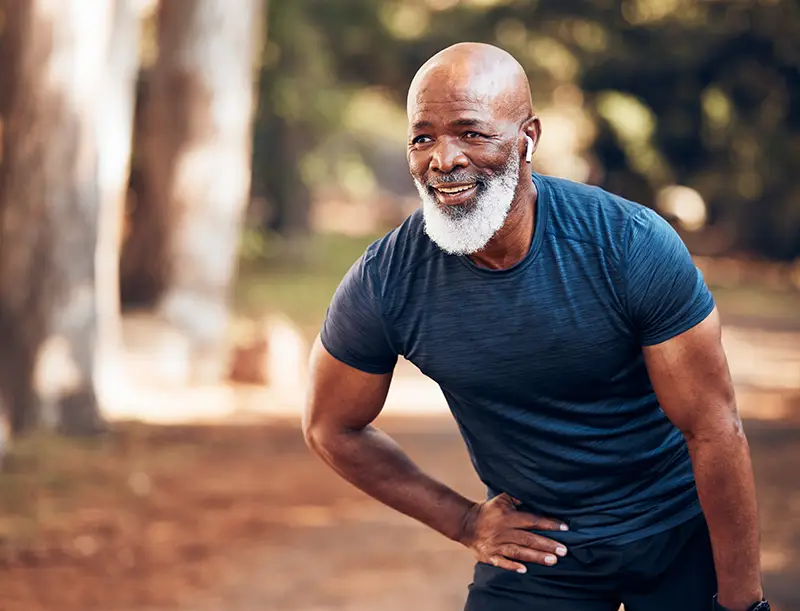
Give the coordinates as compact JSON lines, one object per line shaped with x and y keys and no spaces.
{"x":466,"y":230}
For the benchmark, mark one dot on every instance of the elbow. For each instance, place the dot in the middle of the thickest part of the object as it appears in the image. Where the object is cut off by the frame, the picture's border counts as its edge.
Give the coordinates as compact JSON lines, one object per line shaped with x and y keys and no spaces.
{"x":316,"y":435}
{"x":315,"y":441}
{"x":725,"y":428}
{"x":312,"y":433}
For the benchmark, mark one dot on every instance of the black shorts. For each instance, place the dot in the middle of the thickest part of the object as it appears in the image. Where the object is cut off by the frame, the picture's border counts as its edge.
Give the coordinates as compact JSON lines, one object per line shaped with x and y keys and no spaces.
{"x":670,"y":571}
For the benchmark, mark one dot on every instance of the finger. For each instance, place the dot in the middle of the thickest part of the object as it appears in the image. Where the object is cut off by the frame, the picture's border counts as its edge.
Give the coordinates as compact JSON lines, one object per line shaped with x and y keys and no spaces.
{"x":537,"y":542}
{"x":523,"y":519}
{"x":517,"y":552}
{"x":509,"y":565}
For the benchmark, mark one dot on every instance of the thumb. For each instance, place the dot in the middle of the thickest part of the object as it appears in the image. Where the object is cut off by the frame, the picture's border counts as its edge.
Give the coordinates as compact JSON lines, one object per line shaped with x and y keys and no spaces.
{"x":508,"y":499}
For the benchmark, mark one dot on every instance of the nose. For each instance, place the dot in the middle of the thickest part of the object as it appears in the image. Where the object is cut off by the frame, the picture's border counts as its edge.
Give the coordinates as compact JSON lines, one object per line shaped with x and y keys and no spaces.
{"x":447,"y":156}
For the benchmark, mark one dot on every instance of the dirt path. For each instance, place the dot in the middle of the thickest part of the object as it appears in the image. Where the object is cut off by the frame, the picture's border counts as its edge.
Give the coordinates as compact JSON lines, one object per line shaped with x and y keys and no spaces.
{"x":244,"y":518}
{"x":354,"y":555}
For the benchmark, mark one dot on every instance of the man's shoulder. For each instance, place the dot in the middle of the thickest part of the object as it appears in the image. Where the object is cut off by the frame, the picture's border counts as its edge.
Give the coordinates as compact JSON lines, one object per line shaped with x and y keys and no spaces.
{"x":401,"y":250}
{"x":590,"y":214}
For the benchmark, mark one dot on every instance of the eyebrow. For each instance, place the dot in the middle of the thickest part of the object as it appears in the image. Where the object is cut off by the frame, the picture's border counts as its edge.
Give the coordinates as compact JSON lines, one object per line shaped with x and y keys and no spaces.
{"x":421,"y":125}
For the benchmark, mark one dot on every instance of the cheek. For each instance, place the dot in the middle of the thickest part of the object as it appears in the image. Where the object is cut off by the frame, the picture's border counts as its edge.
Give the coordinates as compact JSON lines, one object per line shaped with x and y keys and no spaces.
{"x":417,"y":164}
{"x":496,"y":160}
{"x":491,"y":156}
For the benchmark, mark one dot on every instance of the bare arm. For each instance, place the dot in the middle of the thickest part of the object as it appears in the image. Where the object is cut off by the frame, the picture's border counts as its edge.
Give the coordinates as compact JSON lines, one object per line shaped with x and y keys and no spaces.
{"x":691,"y":379}
{"x":337,"y":423}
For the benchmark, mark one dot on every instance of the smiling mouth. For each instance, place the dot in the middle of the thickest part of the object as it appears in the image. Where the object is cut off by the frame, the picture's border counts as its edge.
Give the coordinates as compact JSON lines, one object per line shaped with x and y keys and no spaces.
{"x":455,"y":194}
{"x":453,"y":189}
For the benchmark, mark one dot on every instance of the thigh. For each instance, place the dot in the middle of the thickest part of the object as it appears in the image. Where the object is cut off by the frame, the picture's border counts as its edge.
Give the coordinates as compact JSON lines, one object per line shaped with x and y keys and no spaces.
{"x":687,"y":582}
{"x":495,"y":589}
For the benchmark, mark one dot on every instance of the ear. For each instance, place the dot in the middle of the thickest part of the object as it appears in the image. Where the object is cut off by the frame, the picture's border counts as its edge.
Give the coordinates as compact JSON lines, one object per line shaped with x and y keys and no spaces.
{"x":531,"y":132}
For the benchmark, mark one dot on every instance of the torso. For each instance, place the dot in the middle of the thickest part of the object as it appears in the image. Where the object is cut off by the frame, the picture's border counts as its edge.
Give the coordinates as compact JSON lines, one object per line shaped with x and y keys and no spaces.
{"x":543,"y":370}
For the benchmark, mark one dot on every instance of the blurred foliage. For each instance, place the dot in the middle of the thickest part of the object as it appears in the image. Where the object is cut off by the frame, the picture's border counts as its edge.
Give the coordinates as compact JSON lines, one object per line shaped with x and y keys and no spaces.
{"x":703,"y":94}
{"x":300,"y":99}
{"x":268,"y":282}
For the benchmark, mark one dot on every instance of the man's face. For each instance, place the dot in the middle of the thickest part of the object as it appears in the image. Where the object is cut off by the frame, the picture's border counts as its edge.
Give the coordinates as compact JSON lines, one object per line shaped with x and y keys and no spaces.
{"x":465,"y":165}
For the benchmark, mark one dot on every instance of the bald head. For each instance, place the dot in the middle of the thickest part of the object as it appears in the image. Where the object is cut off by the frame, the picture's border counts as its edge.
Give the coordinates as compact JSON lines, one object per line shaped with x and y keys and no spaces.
{"x":474,"y":73}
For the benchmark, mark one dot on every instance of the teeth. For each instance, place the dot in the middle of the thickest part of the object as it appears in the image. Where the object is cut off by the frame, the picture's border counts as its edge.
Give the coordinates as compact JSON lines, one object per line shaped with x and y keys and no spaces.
{"x":450,"y":190}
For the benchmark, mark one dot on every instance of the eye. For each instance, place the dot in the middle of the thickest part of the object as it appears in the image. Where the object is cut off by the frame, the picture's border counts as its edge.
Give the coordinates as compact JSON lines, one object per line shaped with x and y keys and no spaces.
{"x":473,"y":135}
{"x":421,"y":140}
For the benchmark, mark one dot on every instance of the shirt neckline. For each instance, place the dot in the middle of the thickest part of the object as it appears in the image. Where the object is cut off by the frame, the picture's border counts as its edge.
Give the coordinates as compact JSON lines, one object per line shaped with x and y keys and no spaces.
{"x":540,"y":225}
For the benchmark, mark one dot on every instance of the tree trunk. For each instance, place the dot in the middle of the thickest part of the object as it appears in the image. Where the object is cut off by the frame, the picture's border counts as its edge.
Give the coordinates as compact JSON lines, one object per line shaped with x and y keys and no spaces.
{"x":114,"y":141}
{"x":143,"y":268}
{"x":196,"y":166}
{"x":52,"y":191}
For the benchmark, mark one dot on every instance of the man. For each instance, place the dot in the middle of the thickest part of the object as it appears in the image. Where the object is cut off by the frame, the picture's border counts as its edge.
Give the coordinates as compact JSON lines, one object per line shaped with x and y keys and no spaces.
{"x":579,"y":351}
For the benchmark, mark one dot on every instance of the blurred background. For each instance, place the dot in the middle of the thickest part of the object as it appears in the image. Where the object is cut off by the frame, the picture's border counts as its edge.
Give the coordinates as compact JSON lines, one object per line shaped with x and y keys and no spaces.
{"x":183,"y":184}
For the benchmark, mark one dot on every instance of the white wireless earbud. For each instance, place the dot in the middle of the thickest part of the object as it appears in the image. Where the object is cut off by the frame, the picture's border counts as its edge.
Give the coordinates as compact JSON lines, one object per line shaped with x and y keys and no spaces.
{"x":529,"y":150}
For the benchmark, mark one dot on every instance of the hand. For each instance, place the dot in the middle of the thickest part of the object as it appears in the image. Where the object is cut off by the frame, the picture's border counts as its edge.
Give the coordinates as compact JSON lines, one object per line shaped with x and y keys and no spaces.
{"x":497,"y":534}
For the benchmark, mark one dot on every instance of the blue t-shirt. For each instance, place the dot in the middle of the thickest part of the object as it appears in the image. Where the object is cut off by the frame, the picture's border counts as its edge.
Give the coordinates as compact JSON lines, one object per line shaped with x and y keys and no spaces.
{"x":541,"y":363}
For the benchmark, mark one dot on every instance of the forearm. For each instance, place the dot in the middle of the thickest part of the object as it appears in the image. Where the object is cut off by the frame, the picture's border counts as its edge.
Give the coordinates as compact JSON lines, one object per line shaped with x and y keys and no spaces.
{"x":725,"y":485}
{"x":372,"y":461}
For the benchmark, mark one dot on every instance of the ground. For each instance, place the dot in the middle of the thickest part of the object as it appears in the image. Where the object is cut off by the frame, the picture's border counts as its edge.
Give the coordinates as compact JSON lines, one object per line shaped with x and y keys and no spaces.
{"x":243,"y":518}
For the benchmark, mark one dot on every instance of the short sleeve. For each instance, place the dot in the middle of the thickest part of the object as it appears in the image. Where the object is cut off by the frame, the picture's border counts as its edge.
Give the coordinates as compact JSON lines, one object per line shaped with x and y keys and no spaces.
{"x":665,"y":291}
{"x":354,"y":331}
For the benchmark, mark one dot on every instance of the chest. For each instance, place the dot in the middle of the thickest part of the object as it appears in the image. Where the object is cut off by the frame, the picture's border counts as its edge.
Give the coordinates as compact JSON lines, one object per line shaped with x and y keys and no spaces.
{"x":554,"y":334}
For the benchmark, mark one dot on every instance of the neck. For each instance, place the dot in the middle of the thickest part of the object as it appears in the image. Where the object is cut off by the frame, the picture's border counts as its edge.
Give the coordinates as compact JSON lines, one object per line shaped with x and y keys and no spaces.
{"x":511,"y":244}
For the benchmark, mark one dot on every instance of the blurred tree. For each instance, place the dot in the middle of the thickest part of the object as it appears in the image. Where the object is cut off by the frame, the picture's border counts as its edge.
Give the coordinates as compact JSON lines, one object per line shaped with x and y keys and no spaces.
{"x":300,"y":103}
{"x":195,"y":170}
{"x":115,"y":143}
{"x":65,"y":109}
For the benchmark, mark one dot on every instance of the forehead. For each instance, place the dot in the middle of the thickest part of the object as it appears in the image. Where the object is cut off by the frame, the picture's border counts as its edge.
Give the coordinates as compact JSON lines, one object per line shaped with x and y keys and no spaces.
{"x":448,"y":92}
{"x":448,"y":105}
